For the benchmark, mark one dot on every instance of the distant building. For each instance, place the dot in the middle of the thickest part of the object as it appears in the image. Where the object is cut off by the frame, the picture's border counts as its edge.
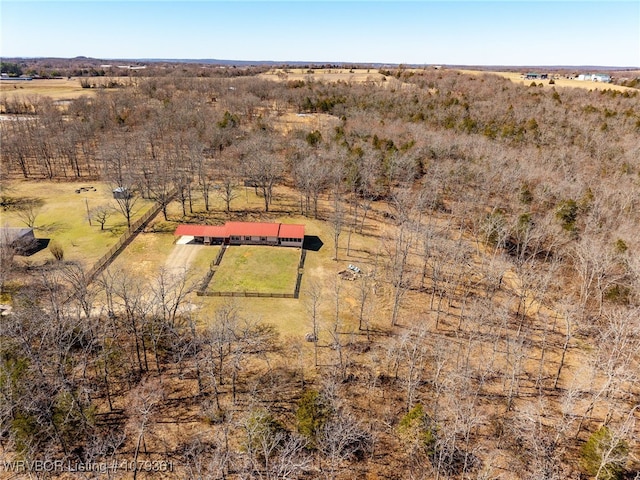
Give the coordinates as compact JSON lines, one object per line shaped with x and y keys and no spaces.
{"x":245,"y":233}
{"x":5,"y":76}
{"x":121,"y":193}
{"x":595,"y":77}
{"x":536,"y":76}
{"x":131,"y":67}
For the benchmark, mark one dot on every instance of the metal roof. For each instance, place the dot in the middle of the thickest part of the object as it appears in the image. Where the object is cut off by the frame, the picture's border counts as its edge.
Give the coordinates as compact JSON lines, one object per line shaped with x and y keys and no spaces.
{"x":253,"y":229}
{"x":257,"y":229}
{"x":291,"y":231}
{"x":217,"y":231}
{"x":9,"y":235}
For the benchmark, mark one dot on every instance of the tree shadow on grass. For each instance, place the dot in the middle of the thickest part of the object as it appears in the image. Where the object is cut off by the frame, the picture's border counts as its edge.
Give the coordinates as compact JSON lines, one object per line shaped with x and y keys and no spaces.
{"x":54,"y":227}
{"x":312,"y":242}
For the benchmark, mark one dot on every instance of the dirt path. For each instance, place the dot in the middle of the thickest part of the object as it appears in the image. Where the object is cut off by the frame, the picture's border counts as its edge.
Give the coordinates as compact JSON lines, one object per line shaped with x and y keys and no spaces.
{"x":181,"y":257}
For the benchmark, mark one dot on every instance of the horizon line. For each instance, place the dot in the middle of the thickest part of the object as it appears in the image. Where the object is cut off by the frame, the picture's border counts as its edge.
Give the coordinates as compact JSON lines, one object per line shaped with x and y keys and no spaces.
{"x":314,"y":62}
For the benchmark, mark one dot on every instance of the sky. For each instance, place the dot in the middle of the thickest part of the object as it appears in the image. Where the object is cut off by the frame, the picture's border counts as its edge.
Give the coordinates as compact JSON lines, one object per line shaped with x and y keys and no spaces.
{"x":454,"y":32}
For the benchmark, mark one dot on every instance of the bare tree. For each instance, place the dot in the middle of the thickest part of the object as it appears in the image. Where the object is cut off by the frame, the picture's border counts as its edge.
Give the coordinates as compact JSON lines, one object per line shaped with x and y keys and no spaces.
{"x":170,"y":294}
{"x":414,"y":354}
{"x":369,"y":187}
{"x":219,"y":339}
{"x":29,"y":211}
{"x":567,"y":314}
{"x":399,"y":249}
{"x":126,"y":200}
{"x":366,"y":289}
{"x":101,"y":214}
{"x":204,"y":168}
{"x":542,"y":445}
{"x":227,"y":187}
{"x":120,"y":158}
{"x":129,"y":307}
{"x":143,"y":404}
{"x":313,"y":300}
{"x":83,"y":292}
{"x":343,"y":438}
{"x":7,"y":252}
{"x":263,"y":167}
{"x":159,"y":176}
{"x":311,"y":173}
{"x":337,"y":219}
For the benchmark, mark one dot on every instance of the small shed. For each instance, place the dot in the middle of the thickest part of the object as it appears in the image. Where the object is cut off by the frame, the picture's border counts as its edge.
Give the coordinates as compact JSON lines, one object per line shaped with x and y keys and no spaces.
{"x":121,"y":193}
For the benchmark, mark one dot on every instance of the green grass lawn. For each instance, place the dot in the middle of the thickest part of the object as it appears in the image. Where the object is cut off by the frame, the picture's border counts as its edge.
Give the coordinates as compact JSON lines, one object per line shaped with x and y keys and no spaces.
{"x":63,"y":218}
{"x":257,"y":268}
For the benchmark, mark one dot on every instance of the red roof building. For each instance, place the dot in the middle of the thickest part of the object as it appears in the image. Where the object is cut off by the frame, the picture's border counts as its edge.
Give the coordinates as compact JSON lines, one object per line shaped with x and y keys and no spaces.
{"x":252,"y":229}
{"x":201,"y":231}
{"x":245,"y":233}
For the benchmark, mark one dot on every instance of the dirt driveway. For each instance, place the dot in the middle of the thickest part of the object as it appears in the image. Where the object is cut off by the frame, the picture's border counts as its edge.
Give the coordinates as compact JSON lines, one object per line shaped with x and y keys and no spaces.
{"x":181,"y":257}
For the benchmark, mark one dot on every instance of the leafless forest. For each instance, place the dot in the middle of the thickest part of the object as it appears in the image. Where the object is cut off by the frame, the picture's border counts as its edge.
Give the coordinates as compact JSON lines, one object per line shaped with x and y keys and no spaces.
{"x":498,"y":336}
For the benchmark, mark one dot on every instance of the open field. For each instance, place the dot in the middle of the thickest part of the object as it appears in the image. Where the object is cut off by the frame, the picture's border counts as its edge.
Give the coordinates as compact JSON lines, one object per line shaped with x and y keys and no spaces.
{"x":559,"y":82}
{"x":257,"y":268}
{"x":325,"y":75}
{"x":63,"y":218}
{"x":57,"y":89}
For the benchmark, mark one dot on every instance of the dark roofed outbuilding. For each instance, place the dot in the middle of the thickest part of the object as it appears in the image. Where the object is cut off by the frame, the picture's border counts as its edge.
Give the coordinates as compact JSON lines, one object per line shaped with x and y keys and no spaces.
{"x":20,"y":238}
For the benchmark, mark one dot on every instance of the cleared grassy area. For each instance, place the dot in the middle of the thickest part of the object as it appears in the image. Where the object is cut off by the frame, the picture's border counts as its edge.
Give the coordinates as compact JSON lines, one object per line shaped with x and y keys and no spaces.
{"x":56,"y":89}
{"x":63,"y":218}
{"x":356,"y":75}
{"x":257,"y":268}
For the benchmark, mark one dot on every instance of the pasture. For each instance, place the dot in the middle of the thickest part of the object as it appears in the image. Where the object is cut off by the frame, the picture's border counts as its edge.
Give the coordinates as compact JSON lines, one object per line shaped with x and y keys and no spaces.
{"x":58,"y":89}
{"x":63,"y":217}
